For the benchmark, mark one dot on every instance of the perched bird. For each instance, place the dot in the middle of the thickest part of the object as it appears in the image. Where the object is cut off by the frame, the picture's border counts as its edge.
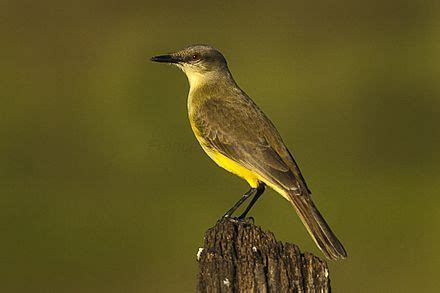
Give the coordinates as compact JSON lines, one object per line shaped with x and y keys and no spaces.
{"x":239,"y":137}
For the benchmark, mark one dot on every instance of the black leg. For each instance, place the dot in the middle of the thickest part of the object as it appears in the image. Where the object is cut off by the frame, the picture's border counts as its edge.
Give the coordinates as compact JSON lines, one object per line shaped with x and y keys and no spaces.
{"x":260,"y":190}
{"x":239,"y":203}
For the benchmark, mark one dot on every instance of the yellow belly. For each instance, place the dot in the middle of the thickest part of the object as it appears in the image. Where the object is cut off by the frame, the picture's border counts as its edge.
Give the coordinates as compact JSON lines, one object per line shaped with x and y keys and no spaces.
{"x":250,"y":176}
{"x":233,"y":167}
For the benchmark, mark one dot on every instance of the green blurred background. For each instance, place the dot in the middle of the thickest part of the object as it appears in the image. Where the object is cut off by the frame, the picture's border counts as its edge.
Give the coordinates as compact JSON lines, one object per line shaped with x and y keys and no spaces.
{"x":104,"y":188}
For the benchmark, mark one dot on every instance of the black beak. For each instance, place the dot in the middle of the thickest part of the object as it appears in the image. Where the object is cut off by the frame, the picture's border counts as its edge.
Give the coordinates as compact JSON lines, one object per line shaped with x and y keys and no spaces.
{"x":166,"y":59}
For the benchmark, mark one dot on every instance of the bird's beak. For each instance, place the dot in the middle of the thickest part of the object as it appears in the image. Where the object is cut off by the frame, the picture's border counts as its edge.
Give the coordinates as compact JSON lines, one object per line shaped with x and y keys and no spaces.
{"x":166,"y":59}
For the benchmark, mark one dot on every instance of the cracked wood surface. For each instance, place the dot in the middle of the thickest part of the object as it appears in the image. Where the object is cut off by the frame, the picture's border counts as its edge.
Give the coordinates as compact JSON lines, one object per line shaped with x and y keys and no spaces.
{"x":241,"y":257}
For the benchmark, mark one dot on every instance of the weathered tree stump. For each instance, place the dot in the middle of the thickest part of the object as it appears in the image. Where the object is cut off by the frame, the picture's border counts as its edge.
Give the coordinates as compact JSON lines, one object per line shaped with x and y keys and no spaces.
{"x":241,"y":257}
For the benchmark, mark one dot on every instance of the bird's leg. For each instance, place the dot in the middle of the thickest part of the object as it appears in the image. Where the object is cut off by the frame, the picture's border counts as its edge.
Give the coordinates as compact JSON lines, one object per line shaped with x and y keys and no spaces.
{"x":260,"y":189}
{"x":240,"y":202}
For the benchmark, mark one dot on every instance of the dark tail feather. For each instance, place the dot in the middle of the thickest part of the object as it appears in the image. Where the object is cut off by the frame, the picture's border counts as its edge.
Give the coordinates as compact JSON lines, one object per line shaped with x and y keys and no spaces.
{"x":317,"y":227}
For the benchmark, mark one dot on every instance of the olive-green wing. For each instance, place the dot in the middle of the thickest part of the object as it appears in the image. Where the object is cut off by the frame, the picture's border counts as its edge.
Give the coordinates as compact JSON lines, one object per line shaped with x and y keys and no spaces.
{"x":238,"y":129}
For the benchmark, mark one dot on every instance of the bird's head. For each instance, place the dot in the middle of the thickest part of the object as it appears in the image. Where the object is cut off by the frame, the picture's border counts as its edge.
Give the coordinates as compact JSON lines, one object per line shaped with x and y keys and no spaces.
{"x":197,"y":61}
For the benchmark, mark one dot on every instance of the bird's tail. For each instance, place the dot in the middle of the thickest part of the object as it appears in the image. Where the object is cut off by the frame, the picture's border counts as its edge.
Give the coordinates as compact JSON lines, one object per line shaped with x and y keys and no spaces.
{"x":317,"y":226}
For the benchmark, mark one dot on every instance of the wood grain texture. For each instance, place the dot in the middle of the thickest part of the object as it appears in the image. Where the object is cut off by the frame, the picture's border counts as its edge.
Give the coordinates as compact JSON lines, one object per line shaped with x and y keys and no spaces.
{"x":241,"y":257}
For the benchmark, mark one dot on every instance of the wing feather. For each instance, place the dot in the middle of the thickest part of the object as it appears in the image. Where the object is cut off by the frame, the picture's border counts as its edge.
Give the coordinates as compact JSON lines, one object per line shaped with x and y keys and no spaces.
{"x":238,"y":129}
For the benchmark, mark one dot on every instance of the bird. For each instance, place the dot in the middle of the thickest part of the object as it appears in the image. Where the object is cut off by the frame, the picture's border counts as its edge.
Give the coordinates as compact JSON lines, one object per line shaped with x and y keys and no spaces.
{"x":237,"y":135}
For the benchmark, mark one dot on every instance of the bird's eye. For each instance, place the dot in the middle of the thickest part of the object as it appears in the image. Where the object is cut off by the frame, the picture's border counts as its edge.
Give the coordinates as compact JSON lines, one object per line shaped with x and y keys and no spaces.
{"x":195,"y":56}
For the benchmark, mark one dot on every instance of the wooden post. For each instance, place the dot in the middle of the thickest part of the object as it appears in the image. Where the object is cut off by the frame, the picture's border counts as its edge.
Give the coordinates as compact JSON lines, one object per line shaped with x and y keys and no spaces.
{"x":241,"y":257}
